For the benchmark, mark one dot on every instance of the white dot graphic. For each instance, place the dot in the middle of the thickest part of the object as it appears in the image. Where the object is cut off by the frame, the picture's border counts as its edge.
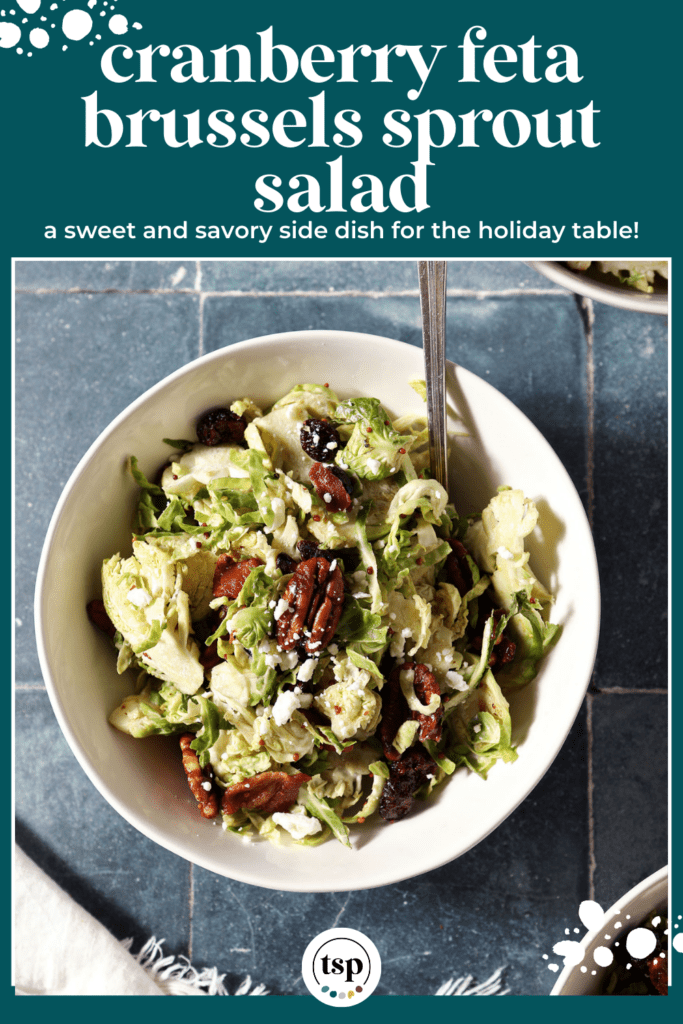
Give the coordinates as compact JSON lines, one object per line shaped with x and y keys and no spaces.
{"x":603,"y":956}
{"x":677,"y":942}
{"x":76,"y":24}
{"x":570,"y":950}
{"x":591,"y":915}
{"x":39,"y":38}
{"x":640,"y":943}
{"x":10,"y":34}
{"x":30,"y":6}
{"x":118,"y":24}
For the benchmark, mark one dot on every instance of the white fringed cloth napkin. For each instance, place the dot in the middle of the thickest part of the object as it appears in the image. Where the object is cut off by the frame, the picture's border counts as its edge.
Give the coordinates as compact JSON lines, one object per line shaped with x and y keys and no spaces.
{"x":61,"y":950}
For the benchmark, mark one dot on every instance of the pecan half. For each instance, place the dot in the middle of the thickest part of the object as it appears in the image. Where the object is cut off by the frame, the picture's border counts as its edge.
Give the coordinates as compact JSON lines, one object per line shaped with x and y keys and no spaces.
{"x":314,"y":598}
{"x":220,"y":426}
{"x":503,"y":647}
{"x":197,"y":779}
{"x":425,"y":686}
{"x":229,"y":576}
{"x":405,"y":777}
{"x":266,"y":793}
{"x":333,"y":486}
{"x":97,"y":614}
{"x":659,"y":974}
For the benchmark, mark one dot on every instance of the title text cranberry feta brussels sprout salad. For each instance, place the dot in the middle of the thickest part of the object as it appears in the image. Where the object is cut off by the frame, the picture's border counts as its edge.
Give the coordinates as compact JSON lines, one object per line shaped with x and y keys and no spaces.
{"x":328,"y":637}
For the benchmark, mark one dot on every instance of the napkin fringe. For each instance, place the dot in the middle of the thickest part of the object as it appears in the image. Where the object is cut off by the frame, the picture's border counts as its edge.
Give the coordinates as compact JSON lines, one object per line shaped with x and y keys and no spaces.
{"x":463,"y":986}
{"x":176,"y":976}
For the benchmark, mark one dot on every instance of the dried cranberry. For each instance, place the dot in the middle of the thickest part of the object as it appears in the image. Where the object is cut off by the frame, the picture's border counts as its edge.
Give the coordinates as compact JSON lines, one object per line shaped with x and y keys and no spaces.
{"x":285,"y":563}
{"x":220,"y":426}
{"x":395,"y":712}
{"x":405,"y":777}
{"x":457,"y":570}
{"x":345,"y":478}
{"x":349,"y":556}
{"x":320,"y":440}
{"x":309,"y":549}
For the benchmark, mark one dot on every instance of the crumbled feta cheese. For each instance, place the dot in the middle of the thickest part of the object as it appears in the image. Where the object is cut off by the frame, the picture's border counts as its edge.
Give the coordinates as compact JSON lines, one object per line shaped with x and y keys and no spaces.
{"x":206,"y":786}
{"x":307,"y":669}
{"x":327,"y":497}
{"x":298,"y":825}
{"x":331,"y":446}
{"x":373,"y":465}
{"x":476,"y":728}
{"x":333,"y":649}
{"x":140,"y":598}
{"x":342,"y":465}
{"x":407,"y":675}
{"x":455,"y":680}
{"x":281,"y":608}
{"x":286,"y":703}
{"x":505,"y":553}
{"x":333,"y":565}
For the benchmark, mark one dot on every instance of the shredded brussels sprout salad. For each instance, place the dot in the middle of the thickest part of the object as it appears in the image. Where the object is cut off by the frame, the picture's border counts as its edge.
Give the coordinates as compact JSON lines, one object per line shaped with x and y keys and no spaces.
{"x":310,"y":614}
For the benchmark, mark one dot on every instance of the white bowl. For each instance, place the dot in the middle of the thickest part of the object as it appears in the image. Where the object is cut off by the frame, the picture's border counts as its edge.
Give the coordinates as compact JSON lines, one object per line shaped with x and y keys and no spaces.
{"x":629,"y":912}
{"x":601,"y":289}
{"x":143,"y":779}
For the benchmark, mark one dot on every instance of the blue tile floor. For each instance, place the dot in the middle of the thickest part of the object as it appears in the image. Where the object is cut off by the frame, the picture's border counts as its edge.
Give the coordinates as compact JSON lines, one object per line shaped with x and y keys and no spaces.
{"x":92,"y":336}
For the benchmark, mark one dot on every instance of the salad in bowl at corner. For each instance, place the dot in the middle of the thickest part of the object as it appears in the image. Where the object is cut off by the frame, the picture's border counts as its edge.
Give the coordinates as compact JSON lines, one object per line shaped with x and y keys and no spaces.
{"x":324,"y":633}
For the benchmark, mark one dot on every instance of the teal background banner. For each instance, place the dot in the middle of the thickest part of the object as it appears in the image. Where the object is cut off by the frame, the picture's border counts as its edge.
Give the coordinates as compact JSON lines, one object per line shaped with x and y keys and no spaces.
{"x":626,"y":63}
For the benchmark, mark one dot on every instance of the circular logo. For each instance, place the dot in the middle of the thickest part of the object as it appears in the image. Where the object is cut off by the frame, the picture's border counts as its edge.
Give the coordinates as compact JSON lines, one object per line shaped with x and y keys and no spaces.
{"x":341,"y":967}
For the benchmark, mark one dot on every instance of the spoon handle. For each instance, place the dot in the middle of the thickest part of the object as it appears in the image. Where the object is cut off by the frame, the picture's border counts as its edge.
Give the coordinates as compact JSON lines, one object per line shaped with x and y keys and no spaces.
{"x":432,"y":275}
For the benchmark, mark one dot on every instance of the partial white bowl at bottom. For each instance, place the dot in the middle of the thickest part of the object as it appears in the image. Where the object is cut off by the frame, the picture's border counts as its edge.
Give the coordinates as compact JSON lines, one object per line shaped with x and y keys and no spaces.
{"x":630,"y":911}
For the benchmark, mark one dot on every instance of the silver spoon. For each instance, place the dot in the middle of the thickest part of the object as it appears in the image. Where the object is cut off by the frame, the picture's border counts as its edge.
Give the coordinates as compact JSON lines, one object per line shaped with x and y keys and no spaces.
{"x":432,"y":275}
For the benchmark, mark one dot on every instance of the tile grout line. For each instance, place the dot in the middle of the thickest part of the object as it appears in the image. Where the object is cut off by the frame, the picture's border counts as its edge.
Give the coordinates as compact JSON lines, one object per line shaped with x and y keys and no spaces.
{"x":590,"y":402}
{"x":591,"y":823}
{"x":410,"y":293}
{"x":588,"y":321}
{"x":198,"y":276}
{"x":190,"y":909}
{"x":625,"y":690}
{"x":201,"y":323}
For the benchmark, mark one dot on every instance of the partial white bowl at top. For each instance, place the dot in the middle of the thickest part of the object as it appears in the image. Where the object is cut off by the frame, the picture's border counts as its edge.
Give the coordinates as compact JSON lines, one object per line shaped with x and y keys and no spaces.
{"x":603,"y":288}
{"x":586,"y":977}
{"x":143,"y":779}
